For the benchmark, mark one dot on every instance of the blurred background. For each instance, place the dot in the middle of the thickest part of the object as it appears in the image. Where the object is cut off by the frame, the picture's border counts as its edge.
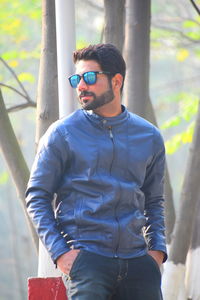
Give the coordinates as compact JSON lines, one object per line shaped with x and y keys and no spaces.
{"x":174,"y":92}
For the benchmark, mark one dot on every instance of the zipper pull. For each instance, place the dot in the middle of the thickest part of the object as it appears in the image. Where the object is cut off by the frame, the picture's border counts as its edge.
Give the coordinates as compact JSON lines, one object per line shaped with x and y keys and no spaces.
{"x":110,"y":132}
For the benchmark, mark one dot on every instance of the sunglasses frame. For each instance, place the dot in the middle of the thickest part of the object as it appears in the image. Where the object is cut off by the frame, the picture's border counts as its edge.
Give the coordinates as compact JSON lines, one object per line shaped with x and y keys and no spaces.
{"x":84,"y":76}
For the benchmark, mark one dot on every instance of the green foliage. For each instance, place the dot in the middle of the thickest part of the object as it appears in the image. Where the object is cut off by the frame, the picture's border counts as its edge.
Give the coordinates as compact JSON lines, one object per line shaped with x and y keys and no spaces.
{"x":20,"y":36}
{"x":189,"y":24}
{"x":23,"y":54}
{"x":4,"y":178}
{"x":179,"y":26}
{"x":19,"y":22}
{"x":15,"y":18}
{"x":188,"y":104}
{"x":188,"y":107}
{"x":173,"y":144}
{"x":25,"y":76}
{"x":81,"y":44}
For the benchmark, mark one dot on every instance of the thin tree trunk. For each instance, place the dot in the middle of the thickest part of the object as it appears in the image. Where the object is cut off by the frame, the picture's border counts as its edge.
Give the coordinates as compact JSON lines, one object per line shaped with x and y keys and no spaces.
{"x":47,"y":103}
{"x":175,"y":267}
{"x":193,"y":262}
{"x":114,"y":22}
{"x":169,"y":203}
{"x":66,"y":44}
{"x":18,"y":276}
{"x":15,"y":161}
{"x":136,"y":95}
{"x":47,"y":100}
{"x":136,"y":53}
{"x":189,"y":197}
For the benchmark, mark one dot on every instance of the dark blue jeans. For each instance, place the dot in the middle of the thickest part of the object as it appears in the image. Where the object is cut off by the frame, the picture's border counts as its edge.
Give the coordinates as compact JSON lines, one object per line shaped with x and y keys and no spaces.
{"x":95,"y":277}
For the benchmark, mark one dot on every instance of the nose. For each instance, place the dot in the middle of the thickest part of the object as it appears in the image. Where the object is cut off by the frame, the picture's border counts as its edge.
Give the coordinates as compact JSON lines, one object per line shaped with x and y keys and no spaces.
{"x":82,"y":86}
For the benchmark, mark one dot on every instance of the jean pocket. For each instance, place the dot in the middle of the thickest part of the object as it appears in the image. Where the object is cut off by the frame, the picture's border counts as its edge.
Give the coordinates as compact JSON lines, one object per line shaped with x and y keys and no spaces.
{"x":154,"y":263}
{"x":75,"y":263}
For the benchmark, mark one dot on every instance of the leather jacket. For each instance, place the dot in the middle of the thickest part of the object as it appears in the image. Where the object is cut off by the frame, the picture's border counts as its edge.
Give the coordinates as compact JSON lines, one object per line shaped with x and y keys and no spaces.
{"x":107,"y":176}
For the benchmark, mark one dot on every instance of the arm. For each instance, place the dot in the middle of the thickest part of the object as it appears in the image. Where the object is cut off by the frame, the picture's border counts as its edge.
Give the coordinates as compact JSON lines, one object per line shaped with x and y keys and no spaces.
{"x":154,"y":201}
{"x":44,"y":180}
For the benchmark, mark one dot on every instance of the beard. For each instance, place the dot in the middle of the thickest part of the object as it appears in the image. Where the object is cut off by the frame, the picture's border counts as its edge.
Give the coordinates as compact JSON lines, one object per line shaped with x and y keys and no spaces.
{"x":97,"y":101}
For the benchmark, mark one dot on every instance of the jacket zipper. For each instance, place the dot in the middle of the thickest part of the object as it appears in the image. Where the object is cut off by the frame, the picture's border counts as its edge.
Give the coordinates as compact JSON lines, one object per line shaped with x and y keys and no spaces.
{"x":117,"y":221}
{"x":111,"y":137}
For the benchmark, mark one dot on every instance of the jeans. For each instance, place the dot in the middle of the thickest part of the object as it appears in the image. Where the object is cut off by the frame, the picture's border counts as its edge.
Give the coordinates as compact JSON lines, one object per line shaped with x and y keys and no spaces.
{"x":96,"y":277}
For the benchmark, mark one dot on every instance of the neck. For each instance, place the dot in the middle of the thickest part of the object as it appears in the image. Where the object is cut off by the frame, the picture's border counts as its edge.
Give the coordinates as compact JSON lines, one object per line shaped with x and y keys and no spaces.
{"x":111,"y":109}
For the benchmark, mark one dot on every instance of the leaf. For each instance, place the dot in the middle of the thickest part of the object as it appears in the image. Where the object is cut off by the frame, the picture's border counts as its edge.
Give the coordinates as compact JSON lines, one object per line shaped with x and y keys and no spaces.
{"x":81,"y":44}
{"x":10,"y":55}
{"x":13,"y":63}
{"x":188,"y":108}
{"x":194,"y":35}
{"x":171,"y":123}
{"x":189,"y":24}
{"x":12,"y":27}
{"x":173,"y":144}
{"x":26,"y":77}
{"x":35,"y":15}
{"x":182,"y":54}
{"x":4,"y":178}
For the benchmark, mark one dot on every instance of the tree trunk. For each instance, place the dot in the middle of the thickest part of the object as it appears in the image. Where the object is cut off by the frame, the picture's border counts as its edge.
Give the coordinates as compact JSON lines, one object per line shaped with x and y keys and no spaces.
{"x":136,"y":53}
{"x":114,"y":22}
{"x":15,"y":161}
{"x":136,"y":95}
{"x":47,"y":103}
{"x":47,"y":100}
{"x":193,"y":262}
{"x":66,"y":44}
{"x":169,"y":203}
{"x":175,"y":266}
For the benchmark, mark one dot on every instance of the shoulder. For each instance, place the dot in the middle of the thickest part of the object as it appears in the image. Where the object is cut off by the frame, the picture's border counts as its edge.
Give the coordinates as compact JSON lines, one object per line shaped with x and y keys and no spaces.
{"x":58,"y":131}
{"x":72,"y":119}
{"x":149,"y":130}
{"x":136,"y":120}
{"x":62,"y":125}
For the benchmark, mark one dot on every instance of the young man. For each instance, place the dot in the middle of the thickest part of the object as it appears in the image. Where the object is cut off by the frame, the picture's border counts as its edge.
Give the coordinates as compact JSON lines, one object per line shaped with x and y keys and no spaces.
{"x":106,"y":166}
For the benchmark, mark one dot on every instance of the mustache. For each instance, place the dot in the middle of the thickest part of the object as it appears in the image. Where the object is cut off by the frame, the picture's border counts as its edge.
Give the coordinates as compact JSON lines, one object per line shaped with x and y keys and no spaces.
{"x":86,"y":93}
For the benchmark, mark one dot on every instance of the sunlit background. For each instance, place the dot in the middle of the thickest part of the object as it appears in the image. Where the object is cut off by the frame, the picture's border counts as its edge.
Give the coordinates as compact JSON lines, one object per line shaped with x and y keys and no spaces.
{"x":174,"y":91}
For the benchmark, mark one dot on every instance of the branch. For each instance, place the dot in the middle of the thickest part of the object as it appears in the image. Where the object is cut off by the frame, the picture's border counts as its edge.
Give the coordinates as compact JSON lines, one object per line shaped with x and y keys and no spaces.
{"x":29,"y":103}
{"x":16,"y":91}
{"x":20,"y":107}
{"x":174,"y":20}
{"x":176,"y":31}
{"x":16,"y":78}
{"x":15,"y":161}
{"x":195,"y":6}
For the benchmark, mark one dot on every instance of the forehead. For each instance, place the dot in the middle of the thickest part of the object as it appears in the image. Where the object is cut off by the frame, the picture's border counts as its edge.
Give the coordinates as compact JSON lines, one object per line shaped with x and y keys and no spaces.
{"x":87,"y":65}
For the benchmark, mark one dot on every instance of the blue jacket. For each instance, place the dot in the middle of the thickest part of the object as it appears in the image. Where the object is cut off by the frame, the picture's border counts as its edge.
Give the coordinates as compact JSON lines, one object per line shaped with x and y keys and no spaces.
{"x":107,"y":175}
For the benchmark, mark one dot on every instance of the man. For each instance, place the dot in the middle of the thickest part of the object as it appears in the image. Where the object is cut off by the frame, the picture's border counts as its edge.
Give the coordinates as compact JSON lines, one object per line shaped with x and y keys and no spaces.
{"x":106,"y":167}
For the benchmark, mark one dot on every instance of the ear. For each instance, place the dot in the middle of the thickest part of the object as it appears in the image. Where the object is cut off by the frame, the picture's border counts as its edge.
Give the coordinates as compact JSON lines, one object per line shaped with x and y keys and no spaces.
{"x":117,"y":81}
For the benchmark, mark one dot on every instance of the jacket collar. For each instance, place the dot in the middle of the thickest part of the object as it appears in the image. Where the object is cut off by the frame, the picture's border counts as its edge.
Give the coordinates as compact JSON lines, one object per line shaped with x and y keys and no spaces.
{"x":107,"y":121}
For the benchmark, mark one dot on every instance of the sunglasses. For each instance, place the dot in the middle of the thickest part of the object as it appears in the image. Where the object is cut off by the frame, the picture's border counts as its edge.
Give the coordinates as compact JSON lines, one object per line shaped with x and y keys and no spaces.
{"x":89,"y":78}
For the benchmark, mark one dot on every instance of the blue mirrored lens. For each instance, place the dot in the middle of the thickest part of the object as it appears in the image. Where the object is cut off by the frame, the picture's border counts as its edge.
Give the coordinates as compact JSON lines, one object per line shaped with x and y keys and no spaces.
{"x":90,"y":77}
{"x":74,"y":80}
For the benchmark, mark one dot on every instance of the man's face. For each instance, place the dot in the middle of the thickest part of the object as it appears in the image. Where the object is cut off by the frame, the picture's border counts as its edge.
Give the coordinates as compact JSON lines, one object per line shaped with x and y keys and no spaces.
{"x":96,"y":95}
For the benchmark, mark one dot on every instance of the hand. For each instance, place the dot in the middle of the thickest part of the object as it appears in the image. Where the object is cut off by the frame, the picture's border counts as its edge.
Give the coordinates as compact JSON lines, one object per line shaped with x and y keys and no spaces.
{"x":65,"y":261}
{"x":157,"y":255}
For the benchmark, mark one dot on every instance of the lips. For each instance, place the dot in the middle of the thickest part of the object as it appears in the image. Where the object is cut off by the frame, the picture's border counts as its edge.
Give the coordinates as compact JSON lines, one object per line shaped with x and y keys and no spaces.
{"x":85,"y":96}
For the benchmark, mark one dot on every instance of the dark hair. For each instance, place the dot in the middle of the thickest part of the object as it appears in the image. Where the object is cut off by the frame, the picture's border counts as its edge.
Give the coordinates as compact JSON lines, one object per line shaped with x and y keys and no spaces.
{"x":106,"y":55}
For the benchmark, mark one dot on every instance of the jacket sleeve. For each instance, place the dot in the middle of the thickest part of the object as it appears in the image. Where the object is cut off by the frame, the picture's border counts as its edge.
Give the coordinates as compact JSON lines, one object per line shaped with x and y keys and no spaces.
{"x":153,"y":189}
{"x":46,"y":174}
